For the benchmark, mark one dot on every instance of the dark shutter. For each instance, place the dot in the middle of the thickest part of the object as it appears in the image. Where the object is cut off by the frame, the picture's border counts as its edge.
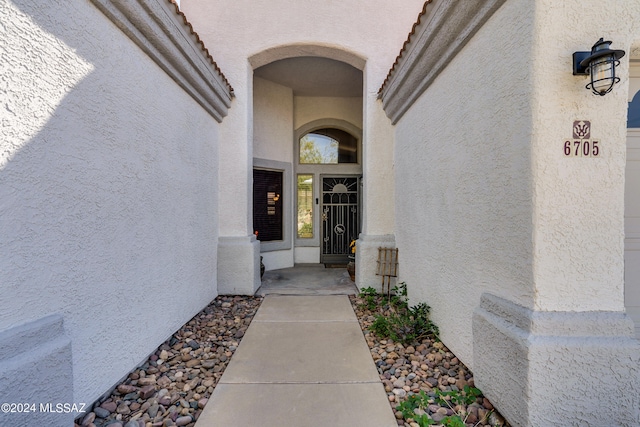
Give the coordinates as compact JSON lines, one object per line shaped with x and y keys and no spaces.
{"x":267,"y":204}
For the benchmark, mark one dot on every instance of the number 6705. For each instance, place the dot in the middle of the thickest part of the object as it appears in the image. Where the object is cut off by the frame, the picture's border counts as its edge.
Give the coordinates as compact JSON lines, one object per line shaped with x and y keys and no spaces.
{"x":581,"y":148}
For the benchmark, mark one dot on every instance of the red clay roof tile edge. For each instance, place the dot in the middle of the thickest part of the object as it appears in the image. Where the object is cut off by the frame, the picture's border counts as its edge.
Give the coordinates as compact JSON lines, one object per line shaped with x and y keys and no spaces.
{"x":404,"y":46}
{"x":202,"y":46}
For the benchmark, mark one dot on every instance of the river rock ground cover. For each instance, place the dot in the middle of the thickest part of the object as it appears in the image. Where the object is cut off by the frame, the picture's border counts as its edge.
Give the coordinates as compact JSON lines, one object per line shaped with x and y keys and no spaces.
{"x":172,"y":387}
{"x":175,"y":383}
{"x":424,"y":365}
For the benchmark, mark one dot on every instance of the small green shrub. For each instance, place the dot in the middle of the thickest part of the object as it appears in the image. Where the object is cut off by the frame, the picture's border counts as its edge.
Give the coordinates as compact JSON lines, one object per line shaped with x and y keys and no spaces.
{"x":423,"y":420}
{"x":421,"y":323}
{"x":402,"y":323}
{"x":454,"y":398}
{"x":381,"y":326}
{"x":370,"y":296}
{"x":414,"y":406}
{"x":368,"y":292}
{"x":465,"y":397}
{"x":398,"y":297}
{"x":416,"y":402}
{"x":453,"y":421}
{"x":406,"y":326}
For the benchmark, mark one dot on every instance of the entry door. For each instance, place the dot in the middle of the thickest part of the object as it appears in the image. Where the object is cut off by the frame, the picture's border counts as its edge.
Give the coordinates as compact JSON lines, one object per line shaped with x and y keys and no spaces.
{"x":632,"y":229}
{"x":340,"y":217}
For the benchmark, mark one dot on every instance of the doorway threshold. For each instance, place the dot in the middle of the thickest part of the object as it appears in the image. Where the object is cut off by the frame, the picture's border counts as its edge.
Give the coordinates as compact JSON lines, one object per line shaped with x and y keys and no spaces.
{"x":307,"y":279}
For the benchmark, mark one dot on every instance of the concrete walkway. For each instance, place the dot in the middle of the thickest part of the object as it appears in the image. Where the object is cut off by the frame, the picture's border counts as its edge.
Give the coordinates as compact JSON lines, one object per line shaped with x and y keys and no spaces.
{"x":303,"y":362}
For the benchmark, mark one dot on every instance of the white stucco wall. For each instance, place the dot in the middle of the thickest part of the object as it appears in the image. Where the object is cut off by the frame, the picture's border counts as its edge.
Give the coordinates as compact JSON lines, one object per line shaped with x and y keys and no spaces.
{"x":463,"y":193}
{"x":257,"y":33}
{"x":501,"y":213}
{"x":483,"y":151}
{"x":579,"y":202}
{"x":108,"y":190}
{"x":273,"y":141}
{"x":272,"y":121}
{"x":311,"y":108}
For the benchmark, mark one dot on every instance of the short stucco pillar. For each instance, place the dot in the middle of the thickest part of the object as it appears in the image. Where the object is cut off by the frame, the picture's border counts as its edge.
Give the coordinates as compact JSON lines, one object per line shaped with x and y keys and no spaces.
{"x":378,"y":191}
{"x":238,"y":248}
{"x":238,"y":265}
{"x":36,"y":375}
{"x":548,"y":368}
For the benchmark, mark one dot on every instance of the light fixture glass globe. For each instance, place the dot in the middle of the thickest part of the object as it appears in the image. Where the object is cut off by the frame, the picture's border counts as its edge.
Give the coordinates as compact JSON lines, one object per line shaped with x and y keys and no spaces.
{"x":601,"y":65}
{"x":603,"y":75}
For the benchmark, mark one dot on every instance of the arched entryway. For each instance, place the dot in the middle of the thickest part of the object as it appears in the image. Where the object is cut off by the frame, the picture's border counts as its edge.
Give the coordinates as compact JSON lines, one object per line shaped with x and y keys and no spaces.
{"x":307,"y":134}
{"x":328,"y":162}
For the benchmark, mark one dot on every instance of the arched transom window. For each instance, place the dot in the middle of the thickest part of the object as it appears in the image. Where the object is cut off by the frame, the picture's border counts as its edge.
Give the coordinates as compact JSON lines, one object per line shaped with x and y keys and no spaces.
{"x":328,"y":146}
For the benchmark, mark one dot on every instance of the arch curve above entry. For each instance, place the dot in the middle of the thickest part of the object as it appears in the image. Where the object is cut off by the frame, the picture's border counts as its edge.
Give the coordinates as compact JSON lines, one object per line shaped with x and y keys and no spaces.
{"x":277,"y":53}
{"x":328,"y":123}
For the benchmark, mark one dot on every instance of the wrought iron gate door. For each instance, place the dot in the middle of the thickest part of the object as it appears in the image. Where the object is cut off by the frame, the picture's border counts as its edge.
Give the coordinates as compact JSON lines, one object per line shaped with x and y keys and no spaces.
{"x":340,"y":217}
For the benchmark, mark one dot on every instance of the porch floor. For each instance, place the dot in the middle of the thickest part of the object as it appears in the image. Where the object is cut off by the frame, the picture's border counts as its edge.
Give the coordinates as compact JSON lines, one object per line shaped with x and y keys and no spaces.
{"x":307,"y":279}
{"x":302,"y":362}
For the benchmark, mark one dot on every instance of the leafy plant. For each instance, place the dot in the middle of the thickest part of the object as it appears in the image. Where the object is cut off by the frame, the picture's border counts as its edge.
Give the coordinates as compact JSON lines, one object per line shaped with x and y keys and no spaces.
{"x":399,"y":298}
{"x":416,"y":403}
{"x":402,"y":323}
{"x":421,"y":323}
{"x":381,"y":326}
{"x":468,"y":396}
{"x":368,"y":292}
{"x":453,"y":421}
{"x":454,"y":399}
{"x":370,"y":295}
{"x":405,"y":325}
{"x":423,"y":420}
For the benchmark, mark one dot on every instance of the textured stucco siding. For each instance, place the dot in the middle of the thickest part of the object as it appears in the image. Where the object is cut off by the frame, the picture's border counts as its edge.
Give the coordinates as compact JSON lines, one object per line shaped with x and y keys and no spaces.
{"x":463,"y":191}
{"x":579,"y":202}
{"x":366,"y":36}
{"x":272,"y":121}
{"x":272,"y":144}
{"x":108,"y":190}
{"x":310,"y":108}
{"x":504,"y":217}
{"x":262,"y":32}
{"x":539,"y":368}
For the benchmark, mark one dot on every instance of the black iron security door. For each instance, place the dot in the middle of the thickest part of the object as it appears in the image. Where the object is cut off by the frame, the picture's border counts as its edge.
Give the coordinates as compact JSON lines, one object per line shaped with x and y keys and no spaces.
{"x":340,"y":217}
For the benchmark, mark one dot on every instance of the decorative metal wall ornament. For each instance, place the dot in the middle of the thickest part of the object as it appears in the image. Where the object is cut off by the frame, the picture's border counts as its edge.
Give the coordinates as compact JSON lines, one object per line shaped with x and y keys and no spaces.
{"x":600,"y":64}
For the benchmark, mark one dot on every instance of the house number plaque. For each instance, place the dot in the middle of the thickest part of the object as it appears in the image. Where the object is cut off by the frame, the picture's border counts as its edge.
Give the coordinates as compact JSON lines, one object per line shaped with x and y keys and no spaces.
{"x":582,"y":145}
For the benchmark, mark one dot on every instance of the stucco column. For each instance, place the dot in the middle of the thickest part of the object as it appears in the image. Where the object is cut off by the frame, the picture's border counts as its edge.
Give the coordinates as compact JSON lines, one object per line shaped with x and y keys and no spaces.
{"x":238,"y":248}
{"x":569,"y":358}
{"x":378,"y":186}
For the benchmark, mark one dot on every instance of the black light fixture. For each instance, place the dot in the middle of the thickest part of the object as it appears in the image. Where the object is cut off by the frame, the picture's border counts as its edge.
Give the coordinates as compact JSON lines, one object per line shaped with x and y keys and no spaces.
{"x":600,"y":64}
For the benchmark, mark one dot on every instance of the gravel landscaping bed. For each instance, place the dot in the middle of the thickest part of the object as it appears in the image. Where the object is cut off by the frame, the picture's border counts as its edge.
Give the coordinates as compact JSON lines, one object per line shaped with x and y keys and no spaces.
{"x":172,"y":387}
{"x":174,"y":384}
{"x":426,"y":365}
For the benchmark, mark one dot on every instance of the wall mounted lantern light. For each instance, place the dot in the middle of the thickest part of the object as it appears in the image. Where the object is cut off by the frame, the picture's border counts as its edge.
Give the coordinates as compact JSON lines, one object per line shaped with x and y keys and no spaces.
{"x":600,"y":64}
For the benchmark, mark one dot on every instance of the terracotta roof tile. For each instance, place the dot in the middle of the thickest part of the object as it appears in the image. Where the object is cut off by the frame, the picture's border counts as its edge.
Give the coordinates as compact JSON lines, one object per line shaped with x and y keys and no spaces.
{"x":202,"y":46}
{"x":404,"y":46}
